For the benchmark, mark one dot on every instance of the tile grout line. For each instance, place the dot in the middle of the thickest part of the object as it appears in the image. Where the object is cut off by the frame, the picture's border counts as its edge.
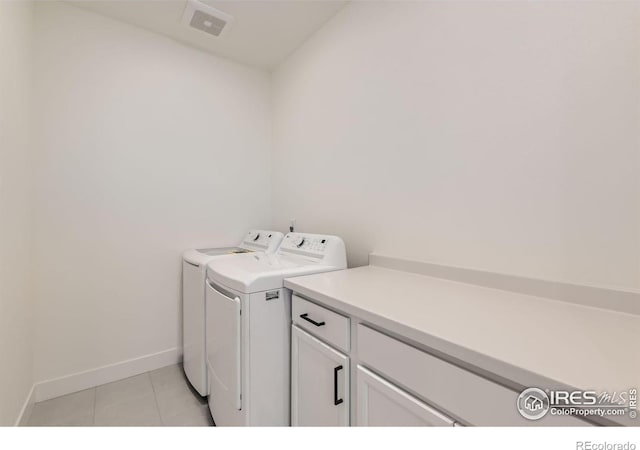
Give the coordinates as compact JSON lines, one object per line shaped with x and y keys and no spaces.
{"x":155,"y":399}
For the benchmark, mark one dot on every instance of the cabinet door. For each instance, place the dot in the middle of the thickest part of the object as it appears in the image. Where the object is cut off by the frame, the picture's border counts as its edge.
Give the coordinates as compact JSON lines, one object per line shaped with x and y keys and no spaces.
{"x":380,"y":403}
{"x":319,"y":382}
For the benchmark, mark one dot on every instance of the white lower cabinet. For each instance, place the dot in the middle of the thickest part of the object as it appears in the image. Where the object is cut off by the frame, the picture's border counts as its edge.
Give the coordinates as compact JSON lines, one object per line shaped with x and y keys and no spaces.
{"x":396,"y":383}
{"x":381,"y":403}
{"x":319,"y":382}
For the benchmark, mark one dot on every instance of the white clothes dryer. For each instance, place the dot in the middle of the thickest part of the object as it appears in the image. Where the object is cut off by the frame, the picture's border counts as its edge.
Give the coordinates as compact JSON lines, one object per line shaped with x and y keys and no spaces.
{"x":249,"y":327}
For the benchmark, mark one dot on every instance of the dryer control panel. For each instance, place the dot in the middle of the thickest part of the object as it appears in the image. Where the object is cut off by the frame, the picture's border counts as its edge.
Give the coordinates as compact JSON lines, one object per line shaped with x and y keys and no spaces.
{"x":329,"y":249}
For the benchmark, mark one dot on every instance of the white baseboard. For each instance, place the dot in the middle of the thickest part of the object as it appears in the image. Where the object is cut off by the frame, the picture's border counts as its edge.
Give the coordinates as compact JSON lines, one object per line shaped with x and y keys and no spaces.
{"x":45,"y":390}
{"x":25,"y":412}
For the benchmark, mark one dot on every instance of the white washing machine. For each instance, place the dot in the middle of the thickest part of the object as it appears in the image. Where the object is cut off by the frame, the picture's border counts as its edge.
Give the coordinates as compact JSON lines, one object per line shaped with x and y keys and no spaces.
{"x":194,"y":266}
{"x":249,"y":328}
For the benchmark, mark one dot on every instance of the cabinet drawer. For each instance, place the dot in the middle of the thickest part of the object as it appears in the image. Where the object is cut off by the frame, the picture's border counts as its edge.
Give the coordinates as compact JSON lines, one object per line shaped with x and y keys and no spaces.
{"x":380,"y":403}
{"x":322,"y":322}
{"x":468,"y":396}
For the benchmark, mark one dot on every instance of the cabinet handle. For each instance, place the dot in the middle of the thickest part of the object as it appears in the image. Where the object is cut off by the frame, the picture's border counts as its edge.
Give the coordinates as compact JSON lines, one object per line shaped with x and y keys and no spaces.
{"x":305,"y":316}
{"x":336,"y":400}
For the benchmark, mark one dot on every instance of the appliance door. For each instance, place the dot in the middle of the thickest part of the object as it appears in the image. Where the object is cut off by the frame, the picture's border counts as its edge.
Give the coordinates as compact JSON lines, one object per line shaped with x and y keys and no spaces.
{"x":193,"y":326}
{"x":224,"y":348}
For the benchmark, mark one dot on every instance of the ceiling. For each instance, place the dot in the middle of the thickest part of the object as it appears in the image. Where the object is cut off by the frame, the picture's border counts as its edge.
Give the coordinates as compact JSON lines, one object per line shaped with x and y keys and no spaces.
{"x":263,"y":32}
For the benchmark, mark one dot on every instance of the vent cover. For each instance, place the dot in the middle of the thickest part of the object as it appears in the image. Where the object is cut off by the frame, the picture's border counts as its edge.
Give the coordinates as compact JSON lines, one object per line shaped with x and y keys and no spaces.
{"x":205,"y":18}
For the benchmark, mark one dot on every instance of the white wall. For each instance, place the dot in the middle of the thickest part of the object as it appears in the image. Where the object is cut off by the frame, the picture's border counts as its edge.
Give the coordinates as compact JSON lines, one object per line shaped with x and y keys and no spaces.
{"x":499,"y":136}
{"x":16,"y":302}
{"x":145,"y":148}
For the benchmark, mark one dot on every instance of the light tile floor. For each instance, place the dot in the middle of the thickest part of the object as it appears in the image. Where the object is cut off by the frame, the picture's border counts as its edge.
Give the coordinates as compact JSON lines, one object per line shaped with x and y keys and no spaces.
{"x":162,"y":397}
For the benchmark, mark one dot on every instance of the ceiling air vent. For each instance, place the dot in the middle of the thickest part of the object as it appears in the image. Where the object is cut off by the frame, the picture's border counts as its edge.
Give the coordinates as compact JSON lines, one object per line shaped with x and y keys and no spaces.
{"x":205,"y":18}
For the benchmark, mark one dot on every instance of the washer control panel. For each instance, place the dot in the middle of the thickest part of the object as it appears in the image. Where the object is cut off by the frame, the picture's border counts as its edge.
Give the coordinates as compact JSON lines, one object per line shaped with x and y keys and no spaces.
{"x":262,"y":240}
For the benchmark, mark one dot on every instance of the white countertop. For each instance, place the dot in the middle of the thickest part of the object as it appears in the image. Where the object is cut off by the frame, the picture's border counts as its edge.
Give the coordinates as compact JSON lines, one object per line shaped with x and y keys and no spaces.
{"x":528,"y":340}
